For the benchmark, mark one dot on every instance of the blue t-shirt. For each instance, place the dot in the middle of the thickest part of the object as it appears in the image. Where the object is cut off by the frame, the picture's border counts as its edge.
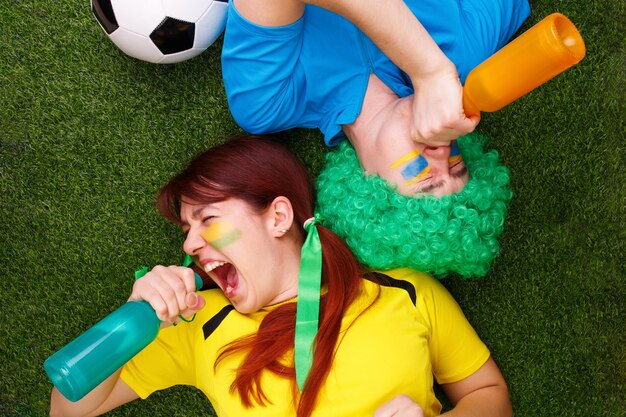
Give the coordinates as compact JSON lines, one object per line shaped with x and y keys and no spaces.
{"x":314,"y":72}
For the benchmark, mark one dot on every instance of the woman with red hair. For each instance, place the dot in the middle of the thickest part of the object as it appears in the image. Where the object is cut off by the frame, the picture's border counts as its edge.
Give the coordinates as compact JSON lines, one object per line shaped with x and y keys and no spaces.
{"x":295,"y":326}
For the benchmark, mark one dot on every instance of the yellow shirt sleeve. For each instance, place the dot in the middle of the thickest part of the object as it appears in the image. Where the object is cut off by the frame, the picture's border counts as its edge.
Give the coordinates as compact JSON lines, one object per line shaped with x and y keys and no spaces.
{"x":456,"y":351}
{"x":167,"y":361}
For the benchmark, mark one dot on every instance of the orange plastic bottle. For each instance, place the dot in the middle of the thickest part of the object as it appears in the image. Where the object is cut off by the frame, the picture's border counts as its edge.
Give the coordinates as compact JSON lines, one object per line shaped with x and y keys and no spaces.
{"x":539,"y":54}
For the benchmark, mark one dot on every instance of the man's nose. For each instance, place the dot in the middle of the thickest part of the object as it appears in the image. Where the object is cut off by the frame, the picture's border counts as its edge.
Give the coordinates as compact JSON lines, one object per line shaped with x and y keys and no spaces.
{"x":437,"y":152}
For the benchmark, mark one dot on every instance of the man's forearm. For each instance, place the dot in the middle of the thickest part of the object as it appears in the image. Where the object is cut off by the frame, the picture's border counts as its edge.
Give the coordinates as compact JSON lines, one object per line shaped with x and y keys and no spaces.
{"x":391,"y":25}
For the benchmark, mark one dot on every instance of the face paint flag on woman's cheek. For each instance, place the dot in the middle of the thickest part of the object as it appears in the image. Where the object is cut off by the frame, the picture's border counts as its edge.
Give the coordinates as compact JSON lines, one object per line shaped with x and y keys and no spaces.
{"x":220,"y":234}
{"x":416,"y":167}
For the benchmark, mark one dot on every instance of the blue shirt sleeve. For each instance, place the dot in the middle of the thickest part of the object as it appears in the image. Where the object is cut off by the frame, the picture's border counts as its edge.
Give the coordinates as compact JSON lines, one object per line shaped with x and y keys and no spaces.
{"x":262,"y":73}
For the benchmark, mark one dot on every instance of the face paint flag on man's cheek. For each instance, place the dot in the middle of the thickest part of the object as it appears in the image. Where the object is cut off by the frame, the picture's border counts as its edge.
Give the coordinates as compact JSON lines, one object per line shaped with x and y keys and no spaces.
{"x":416,"y":167}
{"x":455,"y":153}
{"x":220,"y":234}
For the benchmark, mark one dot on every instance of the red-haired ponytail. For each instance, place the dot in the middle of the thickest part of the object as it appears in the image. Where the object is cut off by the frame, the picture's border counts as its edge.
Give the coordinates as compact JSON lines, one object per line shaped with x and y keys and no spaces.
{"x":341,"y":274}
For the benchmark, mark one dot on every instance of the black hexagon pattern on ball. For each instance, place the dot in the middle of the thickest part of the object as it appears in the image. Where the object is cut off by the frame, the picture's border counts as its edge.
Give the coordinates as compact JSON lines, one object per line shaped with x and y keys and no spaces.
{"x":103,"y":10}
{"x":173,"y":35}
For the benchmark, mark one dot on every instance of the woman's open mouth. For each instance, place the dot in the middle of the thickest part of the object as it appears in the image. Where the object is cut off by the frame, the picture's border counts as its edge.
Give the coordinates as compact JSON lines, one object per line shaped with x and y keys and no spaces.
{"x":225,"y":275}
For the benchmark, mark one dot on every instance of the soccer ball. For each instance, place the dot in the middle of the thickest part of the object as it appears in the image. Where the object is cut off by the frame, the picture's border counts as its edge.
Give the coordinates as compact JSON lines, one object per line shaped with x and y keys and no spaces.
{"x":161,"y":31}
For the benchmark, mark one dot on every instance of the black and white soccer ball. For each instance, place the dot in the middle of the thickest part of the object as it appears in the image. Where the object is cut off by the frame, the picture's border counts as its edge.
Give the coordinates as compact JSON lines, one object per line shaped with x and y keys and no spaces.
{"x":161,"y":31}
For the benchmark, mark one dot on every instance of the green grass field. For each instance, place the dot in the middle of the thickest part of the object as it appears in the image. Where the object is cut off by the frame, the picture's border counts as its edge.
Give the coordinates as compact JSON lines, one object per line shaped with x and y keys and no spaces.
{"x":88,"y":135}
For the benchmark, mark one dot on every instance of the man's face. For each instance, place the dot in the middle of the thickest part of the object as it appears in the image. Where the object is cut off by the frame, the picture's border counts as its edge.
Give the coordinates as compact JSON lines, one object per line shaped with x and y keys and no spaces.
{"x":431,"y":170}
{"x":416,"y":169}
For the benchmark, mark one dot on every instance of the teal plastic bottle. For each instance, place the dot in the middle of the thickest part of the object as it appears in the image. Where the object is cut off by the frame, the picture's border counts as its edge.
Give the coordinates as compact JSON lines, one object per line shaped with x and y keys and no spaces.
{"x":92,"y":357}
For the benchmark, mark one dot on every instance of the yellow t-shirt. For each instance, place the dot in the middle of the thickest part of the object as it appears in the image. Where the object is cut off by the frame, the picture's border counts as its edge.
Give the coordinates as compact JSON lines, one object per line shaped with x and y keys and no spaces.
{"x":414,"y":331}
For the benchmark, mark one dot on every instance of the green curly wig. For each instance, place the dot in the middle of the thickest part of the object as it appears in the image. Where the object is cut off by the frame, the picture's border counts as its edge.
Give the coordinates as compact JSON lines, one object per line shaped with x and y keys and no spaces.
{"x":451,"y":234}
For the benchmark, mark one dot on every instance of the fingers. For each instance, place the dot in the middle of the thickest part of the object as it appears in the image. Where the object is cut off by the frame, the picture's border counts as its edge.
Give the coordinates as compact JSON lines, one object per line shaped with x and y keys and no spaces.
{"x":438,"y":116}
{"x":192,"y":300}
{"x":475,"y":119}
{"x":440,"y":132}
{"x":170,"y":291}
{"x":195,"y":303}
{"x":401,"y":406}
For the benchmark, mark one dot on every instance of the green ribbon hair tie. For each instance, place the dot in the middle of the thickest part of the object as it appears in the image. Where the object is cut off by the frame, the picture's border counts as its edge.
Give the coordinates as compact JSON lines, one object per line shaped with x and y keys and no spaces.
{"x":308,"y":307}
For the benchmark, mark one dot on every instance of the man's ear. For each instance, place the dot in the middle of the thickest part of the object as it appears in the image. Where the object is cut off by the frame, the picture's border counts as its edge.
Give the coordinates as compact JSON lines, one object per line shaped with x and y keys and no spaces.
{"x":280,"y":214}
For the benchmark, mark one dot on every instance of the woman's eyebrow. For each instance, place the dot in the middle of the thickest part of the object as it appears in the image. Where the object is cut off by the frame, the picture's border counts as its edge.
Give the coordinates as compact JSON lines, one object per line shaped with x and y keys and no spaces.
{"x":196,"y":213}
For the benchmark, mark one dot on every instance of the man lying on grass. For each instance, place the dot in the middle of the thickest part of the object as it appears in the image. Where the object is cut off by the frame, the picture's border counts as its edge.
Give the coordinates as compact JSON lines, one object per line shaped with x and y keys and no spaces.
{"x":387,"y":76}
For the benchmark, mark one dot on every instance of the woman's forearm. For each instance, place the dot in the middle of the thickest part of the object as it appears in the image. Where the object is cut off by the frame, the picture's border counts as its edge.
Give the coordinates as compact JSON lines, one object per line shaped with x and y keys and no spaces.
{"x":490,"y":401}
{"x":88,"y":405}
